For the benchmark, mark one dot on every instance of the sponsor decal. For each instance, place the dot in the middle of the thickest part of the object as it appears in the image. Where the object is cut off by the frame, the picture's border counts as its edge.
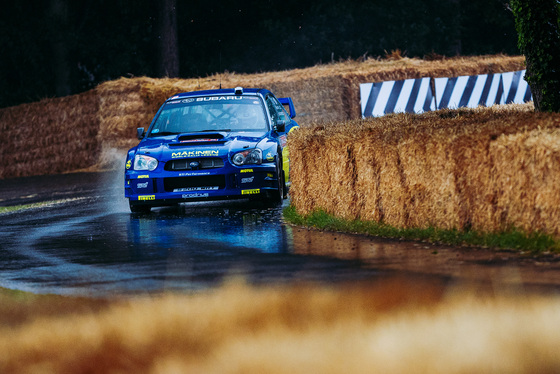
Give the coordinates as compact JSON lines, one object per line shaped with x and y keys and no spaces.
{"x":218,"y":98}
{"x":194,"y":195}
{"x":188,"y":189}
{"x":146,"y":197}
{"x":269,"y":157}
{"x":283,"y":141}
{"x":187,"y":101}
{"x":194,"y":174}
{"x":251,"y":192}
{"x":128,"y":164}
{"x":142,"y":185}
{"x":143,"y":176}
{"x":185,"y":154}
{"x":270,"y":175}
{"x":246,"y":171}
{"x":247,"y":180}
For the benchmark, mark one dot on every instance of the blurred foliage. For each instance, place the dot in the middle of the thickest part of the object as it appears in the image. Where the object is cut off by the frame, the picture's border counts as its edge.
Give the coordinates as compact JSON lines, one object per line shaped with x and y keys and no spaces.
{"x":538,"y":27}
{"x":109,"y":39}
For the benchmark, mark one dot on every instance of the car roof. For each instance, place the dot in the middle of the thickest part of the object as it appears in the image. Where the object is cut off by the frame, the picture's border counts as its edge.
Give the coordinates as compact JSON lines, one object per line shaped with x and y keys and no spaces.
{"x":223,"y":91}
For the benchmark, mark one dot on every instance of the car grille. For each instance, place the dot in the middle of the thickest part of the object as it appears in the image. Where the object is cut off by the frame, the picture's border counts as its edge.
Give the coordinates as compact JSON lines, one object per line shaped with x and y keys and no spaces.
{"x":203,"y":163}
{"x":203,"y":181}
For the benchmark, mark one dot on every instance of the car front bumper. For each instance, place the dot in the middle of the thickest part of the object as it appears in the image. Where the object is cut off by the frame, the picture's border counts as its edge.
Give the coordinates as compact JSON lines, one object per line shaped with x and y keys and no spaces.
{"x":160,"y":188}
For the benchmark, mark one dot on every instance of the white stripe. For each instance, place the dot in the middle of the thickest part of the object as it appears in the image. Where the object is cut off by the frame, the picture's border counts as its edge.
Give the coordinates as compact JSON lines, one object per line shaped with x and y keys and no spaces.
{"x":440,"y":84}
{"x":379,"y":108}
{"x":477,"y":91}
{"x":365,"y":90}
{"x":457,"y":92}
{"x":406,"y":90}
{"x":493,"y":93}
{"x":521,"y":89}
{"x":422,"y":95}
{"x":507,"y":79}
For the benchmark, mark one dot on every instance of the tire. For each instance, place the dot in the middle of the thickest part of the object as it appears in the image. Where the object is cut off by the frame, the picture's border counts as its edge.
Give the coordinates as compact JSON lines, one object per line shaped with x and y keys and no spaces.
{"x":136,"y":208}
{"x":285,"y":194}
{"x":276,"y":196}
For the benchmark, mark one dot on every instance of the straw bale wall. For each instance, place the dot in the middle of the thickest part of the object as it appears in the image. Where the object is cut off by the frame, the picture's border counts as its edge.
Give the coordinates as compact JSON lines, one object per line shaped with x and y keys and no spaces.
{"x":51,"y":136}
{"x":487,"y":169}
{"x":320,"y":93}
{"x":91,"y":130}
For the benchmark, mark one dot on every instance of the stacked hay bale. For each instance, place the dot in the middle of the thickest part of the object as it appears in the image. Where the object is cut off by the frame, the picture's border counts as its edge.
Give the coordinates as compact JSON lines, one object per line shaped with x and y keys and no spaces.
{"x":110,"y":113}
{"x":320,"y":93}
{"x":487,"y":169}
{"x":51,"y":136}
{"x":525,"y":171}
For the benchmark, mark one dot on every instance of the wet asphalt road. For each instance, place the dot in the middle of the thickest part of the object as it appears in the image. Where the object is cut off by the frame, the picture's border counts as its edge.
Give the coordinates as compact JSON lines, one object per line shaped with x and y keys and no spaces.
{"x":90,"y":244}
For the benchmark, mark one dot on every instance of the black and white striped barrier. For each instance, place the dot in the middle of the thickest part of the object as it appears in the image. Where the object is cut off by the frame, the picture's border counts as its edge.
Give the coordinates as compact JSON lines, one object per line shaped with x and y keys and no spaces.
{"x":468,"y":91}
{"x":516,"y":89}
{"x":416,"y":95}
{"x":409,"y":95}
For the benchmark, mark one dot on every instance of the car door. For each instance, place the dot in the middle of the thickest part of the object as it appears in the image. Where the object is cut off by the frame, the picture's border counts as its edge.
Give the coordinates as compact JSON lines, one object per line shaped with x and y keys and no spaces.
{"x":278,"y":113}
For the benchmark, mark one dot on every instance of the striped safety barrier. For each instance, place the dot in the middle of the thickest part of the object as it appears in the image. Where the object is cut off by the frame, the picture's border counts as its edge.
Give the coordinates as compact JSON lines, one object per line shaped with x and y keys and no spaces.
{"x":422,"y":95}
{"x":468,"y":91}
{"x":516,"y":89}
{"x":409,"y":95}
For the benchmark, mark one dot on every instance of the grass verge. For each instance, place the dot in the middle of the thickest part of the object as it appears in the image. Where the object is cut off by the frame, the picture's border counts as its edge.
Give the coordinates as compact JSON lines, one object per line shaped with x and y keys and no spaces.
{"x":510,"y":239}
{"x":17,"y":208}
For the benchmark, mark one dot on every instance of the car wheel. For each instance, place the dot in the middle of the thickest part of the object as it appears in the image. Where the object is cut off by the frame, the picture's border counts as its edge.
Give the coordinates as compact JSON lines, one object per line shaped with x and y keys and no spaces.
{"x":276,"y":196}
{"x":136,"y":208}
{"x":285,"y":195}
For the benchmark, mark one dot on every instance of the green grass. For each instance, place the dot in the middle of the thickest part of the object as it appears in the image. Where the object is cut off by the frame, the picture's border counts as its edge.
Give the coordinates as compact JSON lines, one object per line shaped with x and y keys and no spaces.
{"x":509,"y":239}
{"x":17,"y":208}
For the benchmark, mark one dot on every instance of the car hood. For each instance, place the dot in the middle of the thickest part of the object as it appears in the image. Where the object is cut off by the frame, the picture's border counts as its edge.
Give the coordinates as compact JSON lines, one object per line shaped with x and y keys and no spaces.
{"x":199,"y":144}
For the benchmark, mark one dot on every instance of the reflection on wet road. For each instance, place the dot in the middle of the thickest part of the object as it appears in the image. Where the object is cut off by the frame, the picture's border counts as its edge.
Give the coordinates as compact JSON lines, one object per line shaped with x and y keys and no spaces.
{"x":91,"y":245}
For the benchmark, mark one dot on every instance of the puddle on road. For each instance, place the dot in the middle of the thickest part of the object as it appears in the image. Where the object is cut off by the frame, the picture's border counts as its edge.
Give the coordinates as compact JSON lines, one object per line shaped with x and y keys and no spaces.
{"x":501,"y":269}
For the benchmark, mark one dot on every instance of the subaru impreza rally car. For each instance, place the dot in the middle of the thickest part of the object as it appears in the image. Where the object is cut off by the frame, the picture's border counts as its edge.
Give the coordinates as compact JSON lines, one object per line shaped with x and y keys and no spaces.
{"x":212,"y":145}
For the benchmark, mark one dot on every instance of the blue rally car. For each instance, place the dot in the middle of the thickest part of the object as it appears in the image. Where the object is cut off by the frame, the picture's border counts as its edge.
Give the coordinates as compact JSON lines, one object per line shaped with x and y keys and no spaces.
{"x":212,"y":145}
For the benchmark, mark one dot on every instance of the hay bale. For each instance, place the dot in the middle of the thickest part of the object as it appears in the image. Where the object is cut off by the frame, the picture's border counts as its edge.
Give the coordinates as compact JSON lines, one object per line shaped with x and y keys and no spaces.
{"x":526,"y":170}
{"x":49,"y":137}
{"x":110,"y":113}
{"x":368,"y":170}
{"x":487,"y":169}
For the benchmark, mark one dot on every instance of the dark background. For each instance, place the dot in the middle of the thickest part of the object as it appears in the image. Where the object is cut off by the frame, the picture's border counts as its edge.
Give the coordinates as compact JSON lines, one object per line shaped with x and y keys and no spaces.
{"x":47,"y":52}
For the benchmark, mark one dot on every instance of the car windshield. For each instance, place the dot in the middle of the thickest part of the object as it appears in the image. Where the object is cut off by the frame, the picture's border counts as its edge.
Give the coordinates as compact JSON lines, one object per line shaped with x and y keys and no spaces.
{"x":211,"y":113}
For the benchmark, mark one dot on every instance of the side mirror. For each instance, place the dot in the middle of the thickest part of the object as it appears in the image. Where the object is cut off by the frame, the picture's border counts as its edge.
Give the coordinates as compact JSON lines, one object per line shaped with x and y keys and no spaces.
{"x":140,"y":133}
{"x":280,"y":125}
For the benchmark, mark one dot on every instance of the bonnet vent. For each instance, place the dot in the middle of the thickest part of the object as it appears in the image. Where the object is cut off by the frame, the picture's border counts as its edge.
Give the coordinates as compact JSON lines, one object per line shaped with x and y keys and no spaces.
{"x":200,"y":138}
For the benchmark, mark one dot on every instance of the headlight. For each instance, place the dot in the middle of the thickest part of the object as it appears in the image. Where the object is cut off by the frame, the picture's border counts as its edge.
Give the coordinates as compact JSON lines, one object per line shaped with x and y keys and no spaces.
{"x":142,"y":162}
{"x":249,"y":157}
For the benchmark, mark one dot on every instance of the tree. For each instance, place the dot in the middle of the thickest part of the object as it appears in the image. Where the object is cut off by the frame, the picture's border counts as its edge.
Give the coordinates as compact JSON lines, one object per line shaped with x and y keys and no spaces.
{"x":60,"y":30}
{"x":538,"y":28}
{"x":168,"y":63}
